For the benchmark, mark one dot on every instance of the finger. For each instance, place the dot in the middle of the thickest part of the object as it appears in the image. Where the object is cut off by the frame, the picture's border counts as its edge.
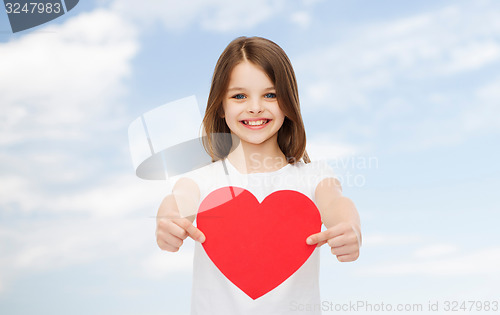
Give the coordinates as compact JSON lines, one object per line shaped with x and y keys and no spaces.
{"x":165,"y":246}
{"x":169,"y":239}
{"x":341,"y":228}
{"x":177,"y":231}
{"x":322,"y":236}
{"x":192,"y":230}
{"x":169,"y":227}
{"x":321,"y":243}
{"x":342,"y":240}
{"x":344,"y":250}
{"x":348,"y":258}
{"x":173,"y":240}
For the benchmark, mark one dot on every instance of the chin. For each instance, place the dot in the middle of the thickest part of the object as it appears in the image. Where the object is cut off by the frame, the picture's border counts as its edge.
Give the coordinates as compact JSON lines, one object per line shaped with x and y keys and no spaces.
{"x":256,"y":141}
{"x":251,"y":141}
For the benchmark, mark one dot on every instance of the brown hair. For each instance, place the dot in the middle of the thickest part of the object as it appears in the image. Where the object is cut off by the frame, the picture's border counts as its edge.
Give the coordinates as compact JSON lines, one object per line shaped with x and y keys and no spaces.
{"x":275,"y":63}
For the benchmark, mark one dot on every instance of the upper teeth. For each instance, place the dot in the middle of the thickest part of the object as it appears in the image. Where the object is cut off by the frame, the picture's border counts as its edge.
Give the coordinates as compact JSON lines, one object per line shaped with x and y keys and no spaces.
{"x":255,"y":122}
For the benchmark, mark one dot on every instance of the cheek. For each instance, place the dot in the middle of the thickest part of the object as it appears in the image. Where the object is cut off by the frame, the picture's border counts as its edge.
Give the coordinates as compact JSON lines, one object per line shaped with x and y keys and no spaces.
{"x":282,"y":120}
{"x":227,"y":115}
{"x":278,"y":112}
{"x":280,"y":116}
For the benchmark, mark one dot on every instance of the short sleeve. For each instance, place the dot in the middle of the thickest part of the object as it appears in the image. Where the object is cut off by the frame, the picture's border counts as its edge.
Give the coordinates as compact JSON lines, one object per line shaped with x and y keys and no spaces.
{"x":318,"y":171}
{"x":207,"y":178}
{"x":200,"y":178}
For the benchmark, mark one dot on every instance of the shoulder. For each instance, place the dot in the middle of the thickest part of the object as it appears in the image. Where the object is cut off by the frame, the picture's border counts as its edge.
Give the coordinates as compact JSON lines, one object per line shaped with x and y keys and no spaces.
{"x":186,"y":185}
{"x":189,"y":188}
{"x":315,"y":168}
{"x":202,"y":173}
{"x":202,"y":179}
{"x":326,"y":180}
{"x":328,"y":185}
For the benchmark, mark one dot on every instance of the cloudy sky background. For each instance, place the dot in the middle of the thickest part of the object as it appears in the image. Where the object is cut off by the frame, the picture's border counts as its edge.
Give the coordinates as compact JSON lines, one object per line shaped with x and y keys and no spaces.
{"x":402,"y":98}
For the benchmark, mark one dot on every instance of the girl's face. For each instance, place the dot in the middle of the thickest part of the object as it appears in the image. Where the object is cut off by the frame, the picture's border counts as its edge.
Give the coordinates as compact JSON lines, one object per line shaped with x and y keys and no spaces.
{"x":250,"y":106}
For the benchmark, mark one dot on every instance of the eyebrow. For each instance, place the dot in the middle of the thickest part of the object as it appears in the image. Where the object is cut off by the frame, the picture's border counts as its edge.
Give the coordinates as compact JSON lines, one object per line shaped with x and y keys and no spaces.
{"x":236,"y":88}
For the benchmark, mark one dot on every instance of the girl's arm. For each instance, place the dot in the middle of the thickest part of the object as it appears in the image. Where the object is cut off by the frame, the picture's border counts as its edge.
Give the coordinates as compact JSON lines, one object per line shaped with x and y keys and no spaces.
{"x":174,"y":222}
{"x":340,"y":217}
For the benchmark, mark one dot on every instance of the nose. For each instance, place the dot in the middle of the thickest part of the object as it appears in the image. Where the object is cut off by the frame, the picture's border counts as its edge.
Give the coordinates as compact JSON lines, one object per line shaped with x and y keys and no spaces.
{"x":255,"y":106}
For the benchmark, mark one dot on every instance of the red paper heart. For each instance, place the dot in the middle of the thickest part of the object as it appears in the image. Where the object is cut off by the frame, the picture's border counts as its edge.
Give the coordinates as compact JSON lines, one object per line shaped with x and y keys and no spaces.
{"x":256,"y":245}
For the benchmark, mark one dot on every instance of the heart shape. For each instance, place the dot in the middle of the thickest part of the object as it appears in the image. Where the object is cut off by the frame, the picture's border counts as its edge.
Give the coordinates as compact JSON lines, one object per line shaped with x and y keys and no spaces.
{"x":256,"y":245}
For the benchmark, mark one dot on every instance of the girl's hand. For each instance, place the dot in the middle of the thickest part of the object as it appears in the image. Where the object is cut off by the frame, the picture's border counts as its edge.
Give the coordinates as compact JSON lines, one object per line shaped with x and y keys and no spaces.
{"x":171,"y":233}
{"x":343,"y":238}
{"x":172,"y":228}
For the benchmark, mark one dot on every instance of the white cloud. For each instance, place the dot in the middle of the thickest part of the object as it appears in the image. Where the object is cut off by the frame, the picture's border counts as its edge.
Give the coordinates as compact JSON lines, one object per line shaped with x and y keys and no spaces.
{"x":161,"y":263}
{"x":435,"y":250}
{"x":33,"y":247}
{"x":301,"y":18}
{"x":172,"y":14}
{"x":311,"y":2}
{"x":389,"y":74}
{"x":321,"y":148}
{"x":64,"y":88}
{"x":478,"y":262}
{"x":62,"y":82}
{"x":65,"y":93}
{"x":117,"y":196}
{"x":17,"y":193}
{"x":230,"y":15}
{"x":473,"y":56}
{"x":112,"y":217}
{"x":452,"y":40}
{"x":484,"y":114}
{"x":385,"y":240}
{"x":49,"y":245}
{"x":211,"y":15}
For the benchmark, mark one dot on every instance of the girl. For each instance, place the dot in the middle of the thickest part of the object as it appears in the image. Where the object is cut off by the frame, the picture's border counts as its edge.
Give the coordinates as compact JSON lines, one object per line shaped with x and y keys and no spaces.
{"x":254,"y":99}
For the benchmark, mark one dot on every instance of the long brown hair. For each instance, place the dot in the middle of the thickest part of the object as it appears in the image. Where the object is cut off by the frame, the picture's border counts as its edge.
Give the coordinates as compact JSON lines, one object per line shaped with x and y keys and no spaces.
{"x":275,"y":63}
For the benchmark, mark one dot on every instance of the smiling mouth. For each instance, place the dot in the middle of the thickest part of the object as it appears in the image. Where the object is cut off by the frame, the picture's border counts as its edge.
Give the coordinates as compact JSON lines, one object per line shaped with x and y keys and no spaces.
{"x":255,"y":122}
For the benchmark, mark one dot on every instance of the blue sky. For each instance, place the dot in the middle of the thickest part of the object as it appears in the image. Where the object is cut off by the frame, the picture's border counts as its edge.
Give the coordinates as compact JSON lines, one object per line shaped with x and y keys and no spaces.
{"x":412,"y":86}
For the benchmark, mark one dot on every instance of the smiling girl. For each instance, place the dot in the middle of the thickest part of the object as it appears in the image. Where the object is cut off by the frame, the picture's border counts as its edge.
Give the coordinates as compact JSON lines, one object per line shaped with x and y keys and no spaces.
{"x":254,"y":99}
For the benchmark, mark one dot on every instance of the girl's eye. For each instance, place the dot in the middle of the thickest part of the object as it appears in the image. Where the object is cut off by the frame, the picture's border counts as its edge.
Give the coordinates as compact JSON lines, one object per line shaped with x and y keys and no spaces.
{"x":239,"y":96}
{"x":270,"y":95}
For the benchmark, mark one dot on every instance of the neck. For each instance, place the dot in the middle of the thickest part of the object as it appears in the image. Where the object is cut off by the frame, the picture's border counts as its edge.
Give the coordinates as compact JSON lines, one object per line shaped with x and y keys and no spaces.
{"x":257,"y":158}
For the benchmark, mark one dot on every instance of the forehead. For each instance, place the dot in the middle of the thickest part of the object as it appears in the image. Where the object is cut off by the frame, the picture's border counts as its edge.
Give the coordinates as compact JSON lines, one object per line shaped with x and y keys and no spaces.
{"x":247,"y":74}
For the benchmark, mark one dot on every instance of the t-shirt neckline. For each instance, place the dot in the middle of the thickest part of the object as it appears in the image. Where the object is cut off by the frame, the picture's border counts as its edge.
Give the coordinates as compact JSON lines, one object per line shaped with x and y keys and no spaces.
{"x":226,"y":161}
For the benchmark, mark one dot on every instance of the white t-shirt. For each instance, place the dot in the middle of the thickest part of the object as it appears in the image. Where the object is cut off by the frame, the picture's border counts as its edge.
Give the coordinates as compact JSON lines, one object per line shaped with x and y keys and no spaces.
{"x":212,"y":292}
